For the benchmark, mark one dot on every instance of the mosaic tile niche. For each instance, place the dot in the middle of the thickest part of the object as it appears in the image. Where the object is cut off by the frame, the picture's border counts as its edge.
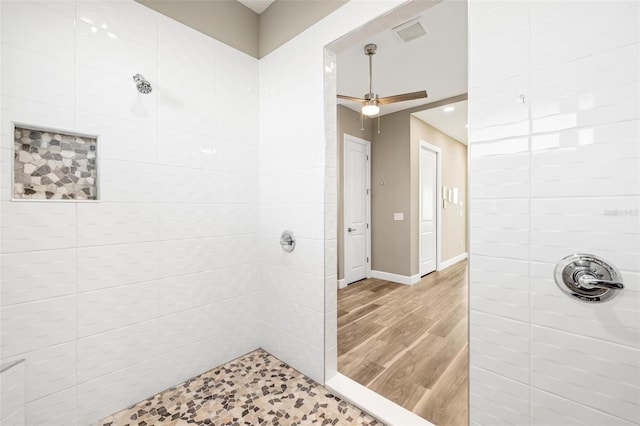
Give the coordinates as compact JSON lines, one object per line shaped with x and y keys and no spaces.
{"x":49,"y":165}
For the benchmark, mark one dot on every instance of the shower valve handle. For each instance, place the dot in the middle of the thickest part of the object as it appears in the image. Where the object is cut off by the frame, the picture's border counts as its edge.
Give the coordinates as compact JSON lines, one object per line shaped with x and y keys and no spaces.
{"x":588,"y":278}
{"x":589,"y":281}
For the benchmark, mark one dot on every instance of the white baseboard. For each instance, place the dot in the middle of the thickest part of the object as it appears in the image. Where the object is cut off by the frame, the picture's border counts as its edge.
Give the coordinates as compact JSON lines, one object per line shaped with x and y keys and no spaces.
{"x":342,"y":283}
{"x":379,"y":407}
{"x":400,"y":279}
{"x":445,"y":264}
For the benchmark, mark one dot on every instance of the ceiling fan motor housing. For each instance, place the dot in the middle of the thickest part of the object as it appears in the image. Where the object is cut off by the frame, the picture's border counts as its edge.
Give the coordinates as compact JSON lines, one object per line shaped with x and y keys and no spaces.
{"x":370,"y":49}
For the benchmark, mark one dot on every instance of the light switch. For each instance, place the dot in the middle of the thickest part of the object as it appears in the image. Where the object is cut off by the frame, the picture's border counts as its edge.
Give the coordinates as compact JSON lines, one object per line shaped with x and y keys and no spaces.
{"x":398,"y":216}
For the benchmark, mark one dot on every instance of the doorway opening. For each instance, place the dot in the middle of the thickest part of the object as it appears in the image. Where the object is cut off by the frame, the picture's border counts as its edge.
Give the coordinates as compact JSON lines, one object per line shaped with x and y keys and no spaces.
{"x":402,"y":332}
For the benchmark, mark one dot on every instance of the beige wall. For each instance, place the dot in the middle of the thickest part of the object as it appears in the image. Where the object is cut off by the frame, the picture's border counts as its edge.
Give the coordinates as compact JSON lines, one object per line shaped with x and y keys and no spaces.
{"x":395,"y":168}
{"x":348,"y":123}
{"x":238,"y":26}
{"x":454,"y":174}
{"x":228,"y":21}
{"x":390,"y":193}
{"x":285,"y":19}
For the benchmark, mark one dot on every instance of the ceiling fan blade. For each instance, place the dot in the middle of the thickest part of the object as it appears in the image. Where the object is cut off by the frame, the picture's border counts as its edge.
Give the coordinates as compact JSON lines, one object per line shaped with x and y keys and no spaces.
{"x":351,"y":98}
{"x":404,"y":97}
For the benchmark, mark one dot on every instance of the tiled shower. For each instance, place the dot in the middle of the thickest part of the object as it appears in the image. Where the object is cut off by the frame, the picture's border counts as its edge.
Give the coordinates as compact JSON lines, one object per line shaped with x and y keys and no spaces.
{"x":114,"y":300}
{"x":554,"y":170}
{"x":178,"y":269}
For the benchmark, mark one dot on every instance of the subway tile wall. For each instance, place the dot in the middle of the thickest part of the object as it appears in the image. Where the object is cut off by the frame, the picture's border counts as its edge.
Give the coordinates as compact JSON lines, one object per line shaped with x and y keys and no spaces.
{"x":292,"y":185}
{"x":12,"y":393}
{"x":113,"y":301}
{"x":298,"y":192}
{"x":555,"y":175}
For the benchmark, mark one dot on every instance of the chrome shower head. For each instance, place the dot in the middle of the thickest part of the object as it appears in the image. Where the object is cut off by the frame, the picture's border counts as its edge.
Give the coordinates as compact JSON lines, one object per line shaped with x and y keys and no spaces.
{"x":143,"y":85}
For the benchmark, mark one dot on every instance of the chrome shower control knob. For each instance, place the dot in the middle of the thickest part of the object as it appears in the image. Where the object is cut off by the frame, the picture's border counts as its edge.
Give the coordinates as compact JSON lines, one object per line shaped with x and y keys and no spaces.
{"x":588,"y":278}
{"x":287,"y":241}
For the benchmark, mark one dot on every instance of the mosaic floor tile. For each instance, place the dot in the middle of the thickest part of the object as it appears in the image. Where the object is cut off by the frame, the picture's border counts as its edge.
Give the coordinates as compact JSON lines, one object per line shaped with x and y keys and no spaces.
{"x":256,"y":389}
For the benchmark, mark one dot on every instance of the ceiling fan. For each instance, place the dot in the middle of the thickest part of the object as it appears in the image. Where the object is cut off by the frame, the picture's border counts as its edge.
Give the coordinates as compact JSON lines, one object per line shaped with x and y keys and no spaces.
{"x":371,"y":102}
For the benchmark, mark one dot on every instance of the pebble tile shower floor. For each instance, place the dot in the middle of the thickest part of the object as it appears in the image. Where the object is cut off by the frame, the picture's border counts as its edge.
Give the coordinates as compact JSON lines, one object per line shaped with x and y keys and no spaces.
{"x":256,"y":389}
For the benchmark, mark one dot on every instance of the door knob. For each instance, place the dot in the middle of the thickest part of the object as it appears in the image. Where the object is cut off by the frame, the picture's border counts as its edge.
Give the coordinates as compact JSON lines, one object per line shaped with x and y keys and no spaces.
{"x":351,"y":229}
{"x":588,"y":278}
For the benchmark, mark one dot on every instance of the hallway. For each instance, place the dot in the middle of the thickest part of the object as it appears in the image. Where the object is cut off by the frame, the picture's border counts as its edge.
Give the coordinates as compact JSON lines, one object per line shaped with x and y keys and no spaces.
{"x":409,"y":343}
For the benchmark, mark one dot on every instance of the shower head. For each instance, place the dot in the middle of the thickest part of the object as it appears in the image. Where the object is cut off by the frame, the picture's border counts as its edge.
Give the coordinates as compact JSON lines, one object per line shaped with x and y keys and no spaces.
{"x":143,"y":85}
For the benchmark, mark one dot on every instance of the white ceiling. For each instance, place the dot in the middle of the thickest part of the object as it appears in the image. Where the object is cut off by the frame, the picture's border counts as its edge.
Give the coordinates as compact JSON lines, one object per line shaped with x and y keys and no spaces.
{"x":436,"y":62}
{"x":258,"y":6}
{"x":452,"y":123}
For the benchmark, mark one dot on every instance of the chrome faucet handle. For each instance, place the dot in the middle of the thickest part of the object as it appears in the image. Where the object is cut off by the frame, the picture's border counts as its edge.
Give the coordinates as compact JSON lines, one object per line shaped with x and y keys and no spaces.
{"x":588,"y":278}
{"x":591,"y":282}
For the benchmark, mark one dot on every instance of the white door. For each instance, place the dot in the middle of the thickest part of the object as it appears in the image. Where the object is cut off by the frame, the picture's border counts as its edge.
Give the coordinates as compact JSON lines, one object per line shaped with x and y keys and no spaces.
{"x":356,"y":208}
{"x":428,"y":209}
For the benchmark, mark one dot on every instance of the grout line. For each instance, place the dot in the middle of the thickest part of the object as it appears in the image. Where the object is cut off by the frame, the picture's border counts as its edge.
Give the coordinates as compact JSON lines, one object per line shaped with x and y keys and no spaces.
{"x":530,"y":212}
{"x":157,"y":168}
{"x":77,"y":208}
{"x":572,"y":401}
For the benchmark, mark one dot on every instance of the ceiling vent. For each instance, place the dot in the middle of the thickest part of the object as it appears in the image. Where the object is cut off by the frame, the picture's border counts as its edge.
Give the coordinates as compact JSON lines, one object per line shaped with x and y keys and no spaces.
{"x":410,"y":30}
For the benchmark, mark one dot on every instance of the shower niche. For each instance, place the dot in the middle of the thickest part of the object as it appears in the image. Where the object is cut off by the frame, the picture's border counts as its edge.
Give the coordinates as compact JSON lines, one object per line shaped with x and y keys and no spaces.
{"x":54,"y":165}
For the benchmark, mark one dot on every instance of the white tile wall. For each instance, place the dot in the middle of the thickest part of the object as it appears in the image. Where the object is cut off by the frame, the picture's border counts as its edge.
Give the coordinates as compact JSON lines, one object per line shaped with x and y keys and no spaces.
{"x":118,"y":137}
{"x":102,"y":266}
{"x":50,"y":370}
{"x":500,"y":287}
{"x":102,"y":396}
{"x":549,"y":409}
{"x":40,"y":412}
{"x":330,"y":219}
{"x":37,"y":325}
{"x":32,"y":276}
{"x":298,"y":353}
{"x":297,"y":190}
{"x":496,"y":400}
{"x":112,"y":301}
{"x":36,"y":227}
{"x":601,"y":376}
{"x":52,"y":34}
{"x":102,"y":224}
{"x":116,"y":307}
{"x":500,"y":345}
{"x":103,"y":353}
{"x":62,"y":93}
{"x":12,"y":393}
{"x":552,"y":176}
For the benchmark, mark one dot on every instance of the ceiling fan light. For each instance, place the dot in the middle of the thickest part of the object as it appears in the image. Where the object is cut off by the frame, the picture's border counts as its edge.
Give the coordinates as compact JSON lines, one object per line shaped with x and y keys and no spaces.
{"x":370,"y":108}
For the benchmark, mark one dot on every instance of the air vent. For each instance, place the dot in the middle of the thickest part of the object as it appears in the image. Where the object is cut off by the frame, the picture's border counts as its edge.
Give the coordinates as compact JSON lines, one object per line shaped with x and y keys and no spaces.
{"x":410,"y":30}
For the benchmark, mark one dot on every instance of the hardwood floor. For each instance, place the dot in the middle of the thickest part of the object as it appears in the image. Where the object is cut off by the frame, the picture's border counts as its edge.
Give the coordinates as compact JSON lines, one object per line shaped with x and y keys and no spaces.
{"x":409,"y":343}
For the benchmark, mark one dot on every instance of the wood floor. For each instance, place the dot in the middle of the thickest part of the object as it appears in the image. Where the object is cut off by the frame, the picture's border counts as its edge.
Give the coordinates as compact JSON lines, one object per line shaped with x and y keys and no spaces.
{"x":409,"y":343}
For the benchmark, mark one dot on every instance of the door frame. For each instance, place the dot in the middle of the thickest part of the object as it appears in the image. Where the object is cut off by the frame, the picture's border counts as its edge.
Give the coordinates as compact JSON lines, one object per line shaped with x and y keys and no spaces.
{"x":438,"y":202}
{"x":367,"y":233}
